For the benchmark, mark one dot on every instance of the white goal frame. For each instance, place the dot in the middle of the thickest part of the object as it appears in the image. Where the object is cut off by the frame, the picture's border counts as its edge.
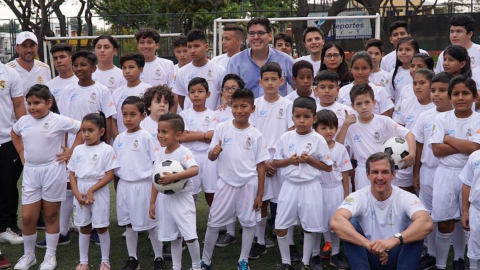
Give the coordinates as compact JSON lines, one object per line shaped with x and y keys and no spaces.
{"x":217,"y":25}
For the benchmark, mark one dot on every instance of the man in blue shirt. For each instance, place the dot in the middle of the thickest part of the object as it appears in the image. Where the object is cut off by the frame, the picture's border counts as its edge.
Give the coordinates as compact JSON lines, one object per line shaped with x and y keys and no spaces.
{"x":247,"y":63}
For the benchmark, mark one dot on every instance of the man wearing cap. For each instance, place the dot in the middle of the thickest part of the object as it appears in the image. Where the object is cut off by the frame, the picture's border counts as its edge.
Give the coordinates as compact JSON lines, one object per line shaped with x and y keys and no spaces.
{"x":31,"y":71}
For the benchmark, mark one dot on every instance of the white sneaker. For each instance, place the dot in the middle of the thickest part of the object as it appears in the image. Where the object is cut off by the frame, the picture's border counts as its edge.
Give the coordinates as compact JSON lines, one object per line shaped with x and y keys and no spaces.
{"x":25,"y":262}
{"x":10,"y":237}
{"x":49,"y":263}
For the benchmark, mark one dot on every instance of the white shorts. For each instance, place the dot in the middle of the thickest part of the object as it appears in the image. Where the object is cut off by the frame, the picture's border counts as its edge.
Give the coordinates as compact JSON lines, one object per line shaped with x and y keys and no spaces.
{"x":427,"y":175}
{"x":97,"y":214}
{"x":301,"y":201}
{"x":404,"y":178}
{"x":332,"y":199}
{"x":268,"y":187}
{"x":361,"y":179}
{"x":176,"y":215}
{"x":230,"y":202}
{"x":447,"y":191}
{"x":44,"y":182}
{"x":133,"y":204}
{"x":276,"y":185}
{"x":207,"y":174}
{"x":474,"y":240}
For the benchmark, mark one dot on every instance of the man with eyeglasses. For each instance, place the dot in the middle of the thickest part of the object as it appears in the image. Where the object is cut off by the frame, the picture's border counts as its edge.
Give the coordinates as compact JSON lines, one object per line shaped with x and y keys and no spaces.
{"x":247,"y":63}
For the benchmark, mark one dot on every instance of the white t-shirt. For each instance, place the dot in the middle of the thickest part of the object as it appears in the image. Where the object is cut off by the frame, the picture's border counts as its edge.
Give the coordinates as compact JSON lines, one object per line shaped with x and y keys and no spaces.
{"x":272,"y":119}
{"x":341,"y":163}
{"x":243,"y":149}
{"x":57,"y":84}
{"x":211,"y":71}
{"x":119,"y":96}
{"x":340,"y":111}
{"x":405,"y":93}
{"x":199,"y":122}
{"x":409,"y":111}
{"x":423,"y":133}
{"x":476,"y":76}
{"x":473,"y":52}
{"x":150,"y":125}
{"x":43,"y":138}
{"x":92,"y":162}
{"x":175,"y":71}
{"x":315,"y":64}
{"x":77,"y":101}
{"x":313,"y":144}
{"x":183,"y":155}
{"x":383,"y":101}
{"x":10,"y":87}
{"x":367,"y":139}
{"x":294,"y":95}
{"x":158,"y":72}
{"x":461,"y":128}
{"x":379,"y":78}
{"x":382,"y":219}
{"x":470,"y":177}
{"x":220,"y":116}
{"x":388,"y":61}
{"x":39,"y":74}
{"x":136,"y":155}
{"x":222,"y":60}
{"x":112,"y":78}
{"x":402,"y":78}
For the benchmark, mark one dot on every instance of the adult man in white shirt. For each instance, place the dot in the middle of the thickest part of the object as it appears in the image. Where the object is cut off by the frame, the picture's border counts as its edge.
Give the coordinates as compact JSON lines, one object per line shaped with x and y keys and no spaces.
{"x":313,"y":39}
{"x":232,"y":38}
{"x":382,"y":225}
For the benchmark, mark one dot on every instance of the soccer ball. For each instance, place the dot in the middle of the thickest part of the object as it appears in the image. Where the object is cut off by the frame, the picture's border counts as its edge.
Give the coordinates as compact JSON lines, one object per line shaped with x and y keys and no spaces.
{"x":397,"y":148}
{"x":171,"y":166}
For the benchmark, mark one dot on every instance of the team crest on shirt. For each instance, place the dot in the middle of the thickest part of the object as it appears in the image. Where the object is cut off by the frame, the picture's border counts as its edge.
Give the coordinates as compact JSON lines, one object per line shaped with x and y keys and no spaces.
{"x":248,"y":143}
{"x":335,"y":166}
{"x":93,"y":98}
{"x":135,"y":144}
{"x":40,"y":80}
{"x":158,"y":73}
{"x":472,"y":60}
{"x":339,"y":112}
{"x":94,"y":158}
{"x":308,"y":148}
{"x":357,"y":138}
{"x":209,"y":74}
{"x":376,"y":136}
{"x":390,"y":219}
{"x":3,"y":84}
{"x":469,"y":132}
{"x":206,"y":121}
{"x":46,"y":126}
{"x":280,"y":113}
{"x":399,"y":108}
{"x":111,"y":81}
{"x":433,"y":129}
{"x":476,"y":165}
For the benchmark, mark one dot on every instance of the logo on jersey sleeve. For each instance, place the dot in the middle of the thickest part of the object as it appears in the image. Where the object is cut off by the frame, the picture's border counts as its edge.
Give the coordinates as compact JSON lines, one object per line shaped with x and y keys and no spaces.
{"x":348,"y":201}
{"x":3,"y":84}
{"x":114,"y":157}
{"x":188,"y":157}
{"x":416,"y":203}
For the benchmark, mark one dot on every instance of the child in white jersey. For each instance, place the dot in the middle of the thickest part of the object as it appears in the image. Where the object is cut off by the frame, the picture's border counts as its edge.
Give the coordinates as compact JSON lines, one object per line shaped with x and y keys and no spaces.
{"x":197,"y":119}
{"x":106,"y":47}
{"x":62,"y":60}
{"x":241,"y":152}
{"x":303,"y":77}
{"x":136,"y":149}
{"x":39,"y":138}
{"x":455,"y":137}
{"x":457,"y":61}
{"x":367,"y":135}
{"x":335,"y":185}
{"x":158,"y":101}
{"x":272,"y":117}
{"x":91,"y":169}
{"x":411,"y":108}
{"x":132,"y":66}
{"x":425,"y":162}
{"x":176,"y":212}
{"x":302,"y":154}
{"x":180,"y":51}
{"x":378,"y":76}
{"x":313,"y":38}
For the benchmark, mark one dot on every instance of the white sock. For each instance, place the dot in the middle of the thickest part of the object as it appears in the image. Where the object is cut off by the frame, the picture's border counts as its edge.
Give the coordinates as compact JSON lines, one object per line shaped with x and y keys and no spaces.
{"x":431,"y":238}
{"x":156,"y":243}
{"x":177,"y":254}
{"x":290,"y":234}
{"x":194,"y":250}
{"x":308,"y":242}
{"x":131,"y":237}
{"x":326,"y":236}
{"x":335,"y":240}
{"x":52,"y":242}
{"x":105,"y":246}
{"x":29,"y":243}
{"x":284,"y":249}
{"x":83,"y":244}
{"x":211,"y":236}
{"x":442,"y":247}
{"x":247,"y":241}
{"x":316,"y":245}
{"x":260,"y":231}
{"x":66,"y":209}
{"x":231,"y":228}
{"x":458,"y":241}
{"x":473,"y":263}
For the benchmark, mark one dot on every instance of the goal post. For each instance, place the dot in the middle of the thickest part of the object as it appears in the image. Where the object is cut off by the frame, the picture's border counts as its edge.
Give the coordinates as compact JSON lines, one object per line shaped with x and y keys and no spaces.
{"x":218,"y":25}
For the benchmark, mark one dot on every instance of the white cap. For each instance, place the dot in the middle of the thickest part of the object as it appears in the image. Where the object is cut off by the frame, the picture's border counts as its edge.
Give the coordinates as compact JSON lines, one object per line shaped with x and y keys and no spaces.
{"x":22,"y":36}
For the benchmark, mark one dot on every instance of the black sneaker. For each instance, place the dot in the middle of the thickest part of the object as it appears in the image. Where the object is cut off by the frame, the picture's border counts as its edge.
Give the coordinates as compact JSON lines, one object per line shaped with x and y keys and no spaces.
{"x":427,"y":262}
{"x":284,"y":266}
{"x":316,"y":262}
{"x":459,"y":264}
{"x":339,"y":261}
{"x":167,"y":251}
{"x":305,"y":267}
{"x":131,"y":264}
{"x":159,"y":264}
{"x":256,"y":251}
{"x":14,"y":227}
{"x":295,"y":255}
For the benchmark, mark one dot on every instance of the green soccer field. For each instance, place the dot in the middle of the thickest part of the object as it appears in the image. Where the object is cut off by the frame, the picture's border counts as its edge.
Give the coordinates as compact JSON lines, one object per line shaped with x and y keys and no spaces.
{"x":223,"y":258}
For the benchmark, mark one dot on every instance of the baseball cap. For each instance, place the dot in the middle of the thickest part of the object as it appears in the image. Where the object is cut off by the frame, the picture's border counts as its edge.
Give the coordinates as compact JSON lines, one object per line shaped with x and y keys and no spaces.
{"x":22,"y":36}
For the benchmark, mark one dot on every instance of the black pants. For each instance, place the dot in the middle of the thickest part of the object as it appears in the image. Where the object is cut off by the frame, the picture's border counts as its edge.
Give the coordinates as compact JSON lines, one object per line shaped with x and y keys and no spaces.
{"x":10,"y":170}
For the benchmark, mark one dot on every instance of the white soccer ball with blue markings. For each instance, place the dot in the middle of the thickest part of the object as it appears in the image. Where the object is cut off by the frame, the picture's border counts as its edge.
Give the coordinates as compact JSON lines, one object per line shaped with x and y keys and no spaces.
{"x":170,"y":166}
{"x":397,"y":148}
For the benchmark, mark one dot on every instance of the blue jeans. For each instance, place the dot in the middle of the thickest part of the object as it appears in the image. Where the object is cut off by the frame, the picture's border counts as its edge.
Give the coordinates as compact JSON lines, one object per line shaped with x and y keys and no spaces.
{"x":405,"y":257}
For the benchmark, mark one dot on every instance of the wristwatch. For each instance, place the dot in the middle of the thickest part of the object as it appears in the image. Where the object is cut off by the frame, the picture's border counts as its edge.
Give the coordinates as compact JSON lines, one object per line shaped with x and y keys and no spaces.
{"x":399,"y":236}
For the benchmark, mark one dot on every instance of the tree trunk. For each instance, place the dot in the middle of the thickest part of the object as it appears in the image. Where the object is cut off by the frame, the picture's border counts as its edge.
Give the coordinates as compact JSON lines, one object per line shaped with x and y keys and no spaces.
{"x":61,"y":18}
{"x":88,"y":20}
{"x":335,"y":9}
{"x":79,"y":23}
{"x":299,"y":26}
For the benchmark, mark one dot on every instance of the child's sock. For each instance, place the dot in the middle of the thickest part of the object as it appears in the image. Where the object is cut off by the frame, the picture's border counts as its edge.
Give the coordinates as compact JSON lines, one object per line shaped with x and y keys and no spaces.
{"x":260,"y":231}
{"x":458,"y":241}
{"x":156,"y":243}
{"x":83,"y":244}
{"x":29,"y":243}
{"x":177,"y":254}
{"x":247,"y":241}
{"x":52,"y":242}
{"x":431,"y":237}
{"x":66,"y":209}
{"x":442,"y":247}
{"x":284,"y":246}
{"x":308,"y":242}
{"x":231,"y":228}
{"x":211,"y":237}
{"x":131,"y":237}
{"x":290,"y":233}
{"x":105,"y":246}
{"x":194,"y":250}
{"x":335,"y":240}
{"x":316,"y":245}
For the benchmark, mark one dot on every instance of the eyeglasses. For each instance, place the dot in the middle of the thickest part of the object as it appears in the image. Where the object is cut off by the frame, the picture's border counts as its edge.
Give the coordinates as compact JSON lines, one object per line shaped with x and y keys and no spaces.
{"x":231,"y":89}
{"x":258,"y":33}
{"x":335,"y":55}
